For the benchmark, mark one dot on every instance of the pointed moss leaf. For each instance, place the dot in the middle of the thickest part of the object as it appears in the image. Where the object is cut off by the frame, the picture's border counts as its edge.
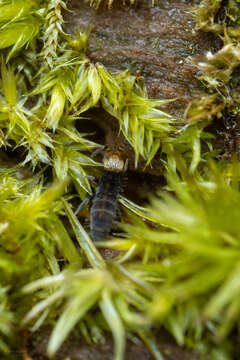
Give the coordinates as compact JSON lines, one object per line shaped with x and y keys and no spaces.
{"x":133,"y":319}
{"x":75,"y":309}
{"x":160,"y":125}
{"x":8,"y":83}
{"x":179,"y":218}
{"x":108,"y":80}
{"x":108,"y":107}
{"x":18,"y":34}
{"x":79,"y":175}
{"x":85,"y":160}
{"x":80,"y":41}
{"x":45,"y":139}
{"x":141,"y":232}
{"x":84,"y":240}
{"x":65,"y":77}
{"x":56,"y":107}
{"x":148,"y":142}
{"x":64,"y":241}
{"x":115,"y":324}
{"x":15,"y":9}
{"x":78,"y":138}
{"x":81,"y":86}
{"x":40,"y":153}
{"x":134,"y":137}
{"x":174,"y":324}
{"x":228,"y":320}
{"x":125,"y":124}
{"x":149,"y":340}
{"x":86,"y":105}
{"x":42,"y":305}
{"x":196,"y":146}
{"x":94,"y":83}
{"x":22,"y":120}
{"x":45,"y":85}
{"x":197,"y":285}
{"x":153,"y":113}
{"x":229,"y":290}
{"x":60,"y":162}
{"x":140,"y":139}
{"x":139,"y":210}
{"x":139,"y":118}
{"x":141,"y":284}
{"x":154,"y":148}
{"x":54,"y":192}
{"x":6,"y":323}
{"x":48,"y":281}
{"x":128,"y":255}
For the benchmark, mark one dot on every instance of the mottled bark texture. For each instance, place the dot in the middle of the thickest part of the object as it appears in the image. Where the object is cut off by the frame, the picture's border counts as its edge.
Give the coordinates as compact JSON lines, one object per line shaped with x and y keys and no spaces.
{"x":156,"y":42}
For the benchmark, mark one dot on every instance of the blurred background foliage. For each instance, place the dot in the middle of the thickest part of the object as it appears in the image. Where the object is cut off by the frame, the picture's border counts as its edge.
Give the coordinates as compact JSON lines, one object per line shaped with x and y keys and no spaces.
{"x":178,"y":258}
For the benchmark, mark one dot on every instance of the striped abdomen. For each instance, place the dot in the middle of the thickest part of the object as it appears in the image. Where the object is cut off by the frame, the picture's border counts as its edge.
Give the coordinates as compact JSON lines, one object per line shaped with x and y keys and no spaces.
{"x":104,"y":205}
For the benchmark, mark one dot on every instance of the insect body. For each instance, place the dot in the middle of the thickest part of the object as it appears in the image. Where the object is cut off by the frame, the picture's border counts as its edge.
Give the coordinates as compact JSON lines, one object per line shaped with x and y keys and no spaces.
{"x":104,"y":204}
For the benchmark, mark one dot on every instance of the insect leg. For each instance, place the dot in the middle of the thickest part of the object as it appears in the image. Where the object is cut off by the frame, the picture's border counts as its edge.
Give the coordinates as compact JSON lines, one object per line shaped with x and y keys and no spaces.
{"x":98,"y":151}
{"x":83,"y":204}
{"x":126,"y":165}
{"x":91,"y":178}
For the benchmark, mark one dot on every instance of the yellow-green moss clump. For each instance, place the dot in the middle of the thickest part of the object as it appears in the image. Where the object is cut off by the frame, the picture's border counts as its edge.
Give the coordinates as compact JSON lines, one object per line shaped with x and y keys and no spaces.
{"x":183,"y":272}
{"x":218,"y":68}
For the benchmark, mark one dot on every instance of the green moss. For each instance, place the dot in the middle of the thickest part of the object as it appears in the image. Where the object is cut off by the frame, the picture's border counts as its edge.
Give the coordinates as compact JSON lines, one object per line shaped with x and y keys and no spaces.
{"x":217,"y":69}
{"x":182,"y":272}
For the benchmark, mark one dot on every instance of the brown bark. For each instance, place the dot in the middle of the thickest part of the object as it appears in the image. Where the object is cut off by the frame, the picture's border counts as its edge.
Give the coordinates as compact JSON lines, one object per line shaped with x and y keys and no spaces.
{"x":75,"y":348}
{"x":156,"y":42}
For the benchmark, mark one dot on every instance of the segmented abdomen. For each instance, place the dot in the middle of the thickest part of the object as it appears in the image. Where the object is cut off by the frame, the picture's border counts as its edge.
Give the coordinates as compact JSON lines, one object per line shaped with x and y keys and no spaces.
{"x":104,"y":205}
{"x":103,"y":212}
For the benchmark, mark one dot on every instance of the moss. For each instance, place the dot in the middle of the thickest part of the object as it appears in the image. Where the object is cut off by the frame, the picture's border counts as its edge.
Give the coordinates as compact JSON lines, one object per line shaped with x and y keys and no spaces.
{"x":167,"y":270}
{"x":217,"y":69}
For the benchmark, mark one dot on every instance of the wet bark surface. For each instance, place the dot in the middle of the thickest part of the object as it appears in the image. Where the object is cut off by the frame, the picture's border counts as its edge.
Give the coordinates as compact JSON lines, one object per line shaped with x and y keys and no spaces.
{"x":76,"y":349}
{"x":155,"y":41}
